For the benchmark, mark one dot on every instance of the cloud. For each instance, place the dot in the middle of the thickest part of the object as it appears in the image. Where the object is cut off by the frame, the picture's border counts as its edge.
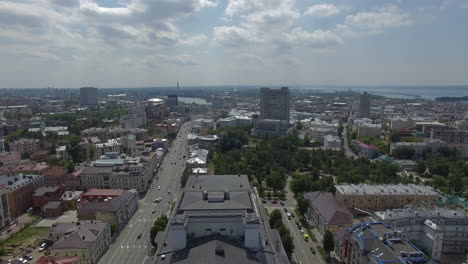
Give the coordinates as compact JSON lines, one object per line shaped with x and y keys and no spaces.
{"x":322,"y":10}
{"x":314,"y":39}
{"x":180,"y":60}
{"x":375,"y":22}
{"x":233,"y":36}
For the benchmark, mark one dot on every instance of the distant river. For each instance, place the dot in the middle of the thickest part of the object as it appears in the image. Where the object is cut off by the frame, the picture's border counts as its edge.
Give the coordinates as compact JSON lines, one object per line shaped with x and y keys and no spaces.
{"x":426,"y":92}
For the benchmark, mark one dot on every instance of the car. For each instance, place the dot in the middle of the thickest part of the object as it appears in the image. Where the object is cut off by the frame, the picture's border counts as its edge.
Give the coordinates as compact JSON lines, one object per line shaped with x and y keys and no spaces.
{"x":169,"y":192}
{"x":302,"y":231}
{"x":293,"y":215}
{"x":274,"y":201}
{"x":285,"y":210}
{"x":282,"y":204}
{"x":20,"y":260}
{"x":154,"y":211}
{"x":289,"y":216}
{"x":163,"y":257}
{"x":159,"y":187}
{"x":139,"y":236}
{"x":313,"y":250}
{"x":306,"y":237}
{"x":28,"y":257}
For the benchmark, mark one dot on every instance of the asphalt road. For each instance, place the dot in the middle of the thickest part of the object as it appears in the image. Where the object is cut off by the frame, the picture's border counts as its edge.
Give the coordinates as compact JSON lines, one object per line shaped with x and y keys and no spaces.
{"x":127,"y":248}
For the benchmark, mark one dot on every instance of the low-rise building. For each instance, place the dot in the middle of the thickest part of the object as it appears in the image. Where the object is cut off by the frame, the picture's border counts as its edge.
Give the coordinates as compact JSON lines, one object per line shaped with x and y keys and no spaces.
{"x":25,"y":146}
{"x":115,"y":211}
{"x":429,"y":145}
{"x":20,"y":189}
{"x":271,"y":128}
{"x":332,"y":142}
{"x":46,"y":194}
{"x":87,"y":240}
{"x":368,"y":130}
{"x":105,"y":134}
{"x":70,"y":199}
{"x":326,"y":213}
{"x":112,"y":145}
{"x":55,"y":176}
{"x":5,"y":218}
{"x":438,"y":231}
{"x":369,"y":243}
{"x":208,"y":141}
{"x":366,"y":150}
{"x":235,"y":121}
{"x":371,"y":198}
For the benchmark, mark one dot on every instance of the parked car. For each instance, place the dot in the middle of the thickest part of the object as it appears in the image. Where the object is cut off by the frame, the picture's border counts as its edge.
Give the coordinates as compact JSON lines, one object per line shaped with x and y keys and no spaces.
{"x":282,"y":204}
{"x":313,"y":250}
{"x":285,"y":210}
{"x":159,"y":187}
{"x":274,"y":201}
{"x":289,"y":215}
{"x":139,"y":236}
{"x":292,"y":214}
{"x":154,"y":211}
{"x":28,"y":257}
{"x":306,"y":237}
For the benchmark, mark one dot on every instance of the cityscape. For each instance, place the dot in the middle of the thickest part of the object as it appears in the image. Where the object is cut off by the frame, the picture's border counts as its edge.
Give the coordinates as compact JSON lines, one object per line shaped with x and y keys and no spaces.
{"x":233,"y":132}
{"x":232,"y":174}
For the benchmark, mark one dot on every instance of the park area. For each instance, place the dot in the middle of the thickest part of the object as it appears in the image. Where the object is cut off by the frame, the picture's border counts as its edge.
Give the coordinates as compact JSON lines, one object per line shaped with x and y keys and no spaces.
{"x":23,"y":242}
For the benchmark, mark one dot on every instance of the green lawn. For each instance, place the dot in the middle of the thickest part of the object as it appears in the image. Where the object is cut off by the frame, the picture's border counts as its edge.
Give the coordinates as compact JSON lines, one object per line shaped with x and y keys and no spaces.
{"x":322,"y":253}
{"x":26,"y":234}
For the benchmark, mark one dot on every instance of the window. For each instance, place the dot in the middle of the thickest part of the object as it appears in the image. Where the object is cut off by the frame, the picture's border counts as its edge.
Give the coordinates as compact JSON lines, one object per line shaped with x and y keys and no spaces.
{"x":208,"y":229}
{"x":222,"y":229}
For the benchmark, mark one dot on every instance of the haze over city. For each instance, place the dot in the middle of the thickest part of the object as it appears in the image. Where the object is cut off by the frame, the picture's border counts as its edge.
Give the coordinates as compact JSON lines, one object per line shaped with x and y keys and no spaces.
{"x":135,"y":43}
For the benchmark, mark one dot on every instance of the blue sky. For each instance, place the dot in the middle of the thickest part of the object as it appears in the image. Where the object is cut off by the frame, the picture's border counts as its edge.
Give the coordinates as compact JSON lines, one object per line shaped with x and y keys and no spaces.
{"x":126,"y":43}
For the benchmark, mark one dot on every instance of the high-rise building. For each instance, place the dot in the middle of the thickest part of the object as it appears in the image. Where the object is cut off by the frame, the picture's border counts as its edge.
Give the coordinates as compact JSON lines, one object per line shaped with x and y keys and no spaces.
{"x":364,"y":105}
{"x":89,"y":97}
{"x":274,"y":103}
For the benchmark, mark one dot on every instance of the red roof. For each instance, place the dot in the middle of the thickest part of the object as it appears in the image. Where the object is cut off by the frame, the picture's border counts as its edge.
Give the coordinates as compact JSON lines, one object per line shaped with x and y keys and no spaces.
{"x":364,"y":145}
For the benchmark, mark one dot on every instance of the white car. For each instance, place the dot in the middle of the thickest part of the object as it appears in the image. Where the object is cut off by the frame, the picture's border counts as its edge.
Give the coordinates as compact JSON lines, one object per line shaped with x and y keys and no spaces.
{"x":159,"y":187}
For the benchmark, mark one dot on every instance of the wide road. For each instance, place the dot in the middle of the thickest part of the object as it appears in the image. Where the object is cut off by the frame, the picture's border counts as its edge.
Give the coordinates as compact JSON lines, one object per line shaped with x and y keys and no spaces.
{"x":127,"y":248}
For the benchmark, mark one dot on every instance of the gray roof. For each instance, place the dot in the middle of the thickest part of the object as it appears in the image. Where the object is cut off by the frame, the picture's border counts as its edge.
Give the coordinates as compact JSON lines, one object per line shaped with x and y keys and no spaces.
{"x":112,"y":205}
{"x":45,"y":189}
{"x":18,"y":180}
{"x":210,"y":253}
{"x":329,"y":209}
{"x":53,"y":205}
{"x":385,"y":189}
{"x":77,"y":235}
{"x":218,"y":182}
{"x":237,"y":188}
{"x":426,"y":213}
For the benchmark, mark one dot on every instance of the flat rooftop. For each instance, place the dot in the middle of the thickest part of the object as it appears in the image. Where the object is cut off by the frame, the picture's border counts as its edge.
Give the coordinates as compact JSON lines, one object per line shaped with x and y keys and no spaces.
{"x":385,"y":189}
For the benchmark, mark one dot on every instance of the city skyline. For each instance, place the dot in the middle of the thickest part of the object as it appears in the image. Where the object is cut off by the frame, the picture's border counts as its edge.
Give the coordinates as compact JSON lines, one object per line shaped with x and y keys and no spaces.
{"x":135,"y":43}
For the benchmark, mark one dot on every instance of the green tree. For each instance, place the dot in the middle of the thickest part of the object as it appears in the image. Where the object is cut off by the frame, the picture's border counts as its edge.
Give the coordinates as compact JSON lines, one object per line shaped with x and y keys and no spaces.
{"x":171,"y":134}
{"x":113,"y":228}
{"x":276,"y":219}
{"x":420,"y":167}
{"x":395,"y":137}
{"x":328,"y":242}
{"x":275,"y":180}
{"x":404,"y":152}
{"x":158,"y":225}
{"x":302,"y":204}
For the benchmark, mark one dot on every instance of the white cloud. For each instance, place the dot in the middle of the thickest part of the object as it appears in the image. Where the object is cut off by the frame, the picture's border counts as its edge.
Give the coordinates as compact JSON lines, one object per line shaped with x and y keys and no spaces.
{"x":375,"y":21}
{"x":233,"y":36}
{"x":315,"y":39}
{"x":322,"y":10}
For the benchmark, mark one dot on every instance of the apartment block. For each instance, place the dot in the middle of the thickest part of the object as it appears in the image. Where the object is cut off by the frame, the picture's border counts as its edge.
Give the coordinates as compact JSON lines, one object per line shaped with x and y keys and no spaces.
{"x":439,"y":231}
{"x":274,"y":103}
{"x":25,"y":146}
{"x":370,"y":243}
{"x":371,"y":198}
{"x":20,"y":189}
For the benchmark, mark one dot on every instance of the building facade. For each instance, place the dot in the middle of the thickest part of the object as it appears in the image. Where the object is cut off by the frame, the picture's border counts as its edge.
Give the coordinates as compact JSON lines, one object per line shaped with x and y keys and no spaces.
{"x":25,"y":146}
{"x":274,"y":103}
{"x":20,"y":189}
{"x":371,"y":198}
{"x":438,"y":230}
{"x":364,"y":105}
{"x":89,"y":97}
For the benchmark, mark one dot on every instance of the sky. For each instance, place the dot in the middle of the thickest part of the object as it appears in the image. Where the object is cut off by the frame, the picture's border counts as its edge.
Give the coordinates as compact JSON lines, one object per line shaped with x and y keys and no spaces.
{"x":136,"y":43}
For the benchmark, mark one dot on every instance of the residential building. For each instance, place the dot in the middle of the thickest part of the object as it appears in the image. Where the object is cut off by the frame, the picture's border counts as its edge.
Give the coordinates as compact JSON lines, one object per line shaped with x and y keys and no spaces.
{"x":438,"y":231}
{"x":326,"y":213}
{"x":319,"y":133}
{"x":368,"y":130}
{"x":59,"y":130}
{"x":401,"y":124}
{"x":332,"y":142}
{"x":99,"y":195}
{"x":203,"y":125}
{"x":70,"y":199}
{"x":271,"y":128}
{"x":369,"y":243}
{"x":115,"y":211}
{"x":235,"y":121}
{"x":112,"y":145}
{"x":25,"y":146}
{"x":105,"y":134}
{"x":156,"y":109}
{"x":52,"y":209}
{"x":450,"y":136}
{"x":366,"y":150}
{"x":45,"y":194}
{"x":55,"y":176}
{"x":57,"y":260}
{"x":274,"y":103}
{"x":426,"y":127}
{"x":4,"y":207}
{"x":364,"y":105}
{"x":407,"y":165}
{"x":89,"y":97}
{"x":371,"y":198}
{"x":135,"y":118}
{"x":219,"y":213}
{"x":73,"y":180}
{"x":429,"y":145}
{"x":61,"y":153}
{"x":87,"y":240}
{"x":2,"y":145}
{"x":20,"y":189}
{"x":120,"y":172}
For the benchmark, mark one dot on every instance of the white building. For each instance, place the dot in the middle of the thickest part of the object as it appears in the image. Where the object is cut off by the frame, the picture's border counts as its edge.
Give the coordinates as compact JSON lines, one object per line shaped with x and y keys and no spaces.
{"x":112,"y":145}
{"x":332,"y":142}
{"x":62,"y":153}
{"x":436,"y":230}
